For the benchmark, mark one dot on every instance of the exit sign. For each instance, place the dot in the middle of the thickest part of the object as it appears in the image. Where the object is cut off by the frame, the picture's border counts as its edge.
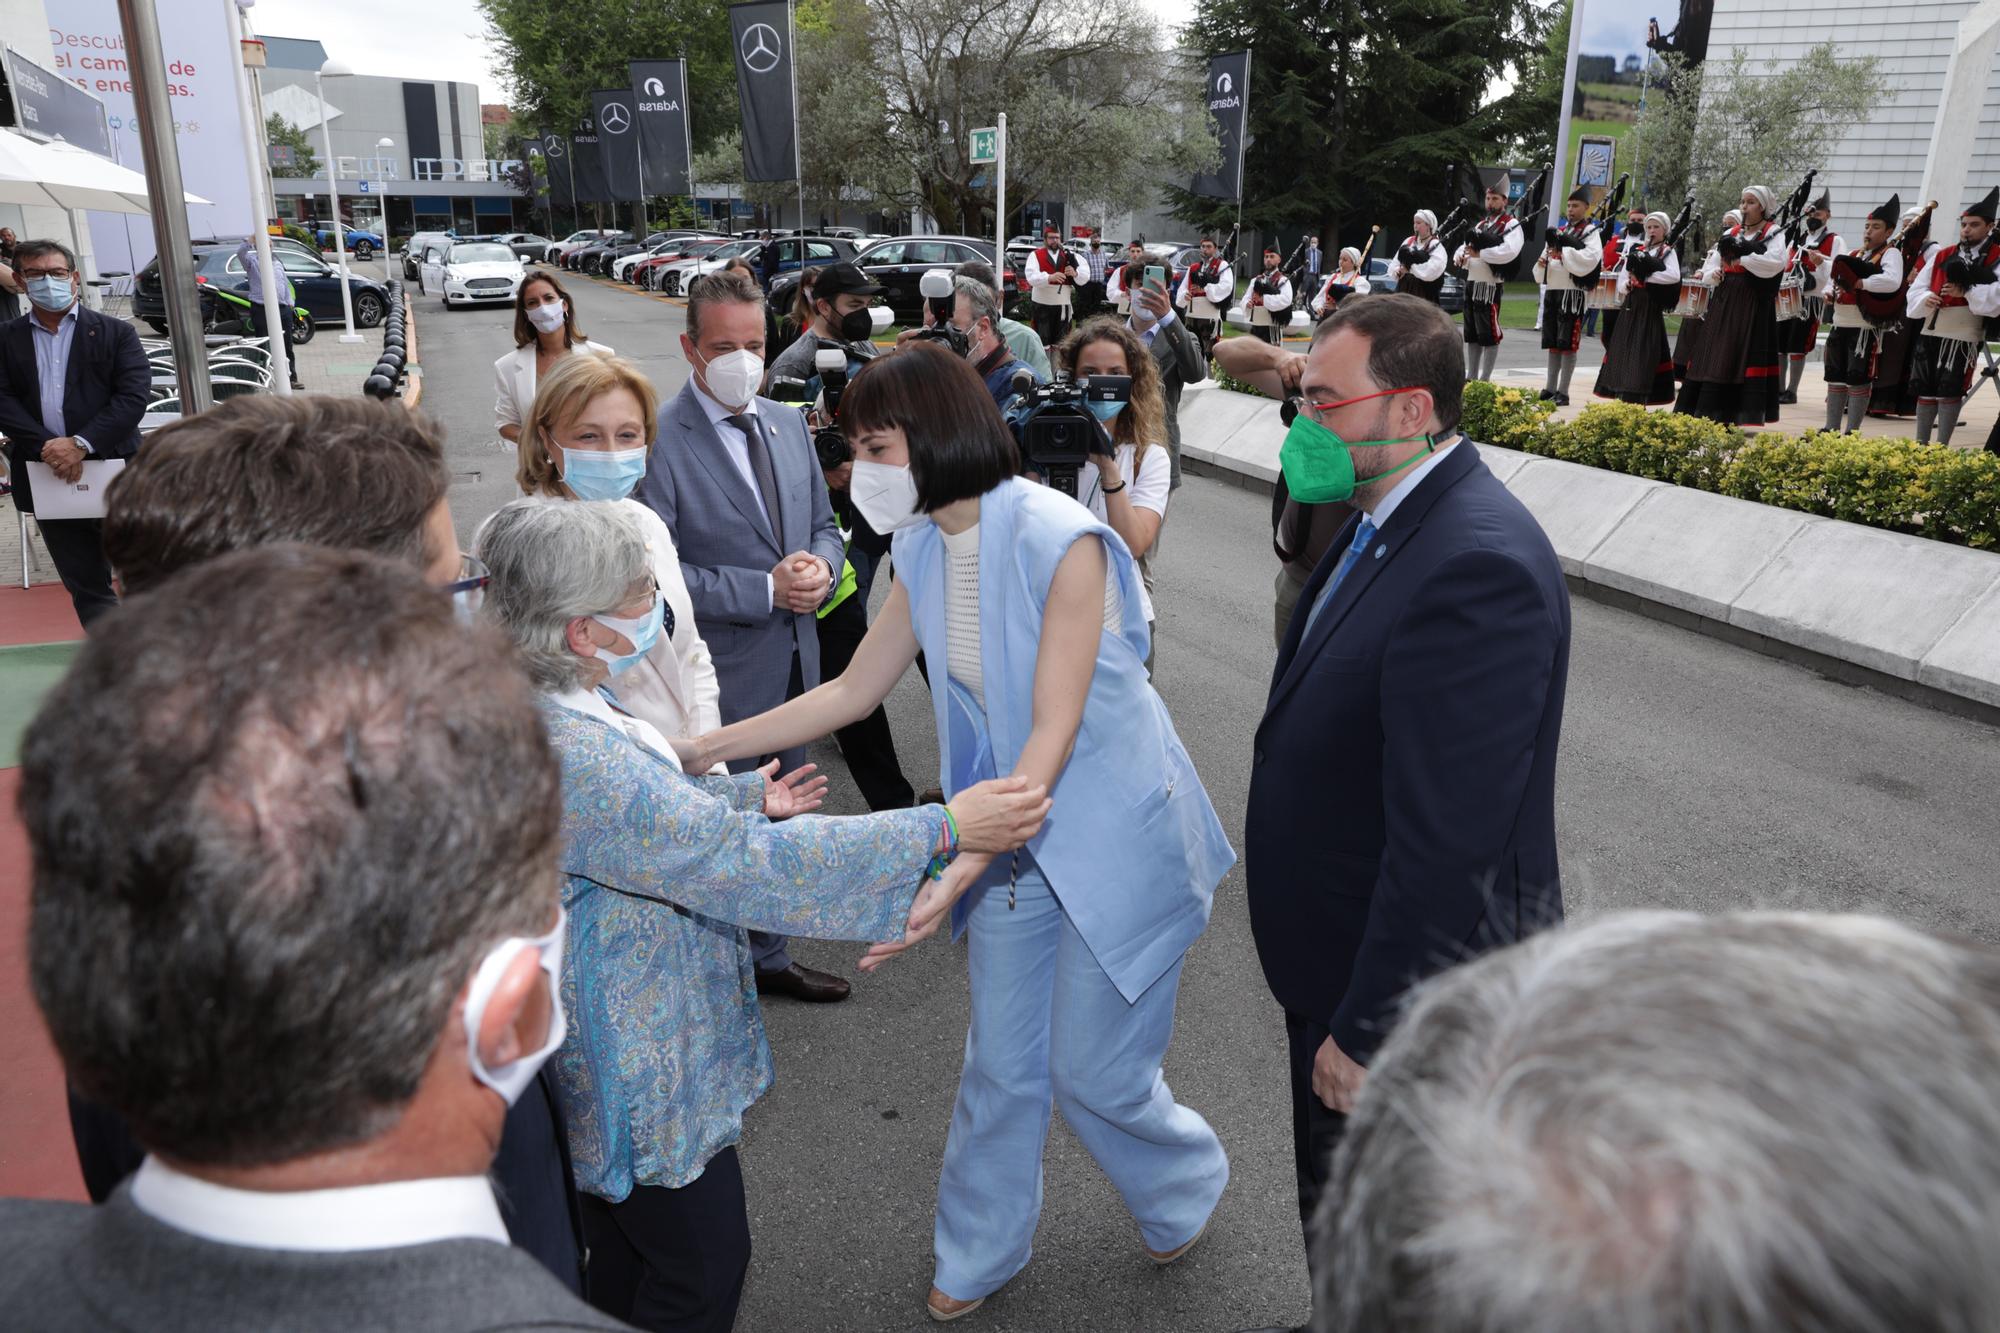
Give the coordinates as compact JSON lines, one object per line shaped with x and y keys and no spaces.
{"x":986,"y":145}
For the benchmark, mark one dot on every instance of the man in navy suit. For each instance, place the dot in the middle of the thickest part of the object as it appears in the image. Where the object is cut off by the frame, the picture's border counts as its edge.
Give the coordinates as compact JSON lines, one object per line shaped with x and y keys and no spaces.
{"x":737,"y":482}
{"x":73,"y":385}
{"x":1402,"y":794}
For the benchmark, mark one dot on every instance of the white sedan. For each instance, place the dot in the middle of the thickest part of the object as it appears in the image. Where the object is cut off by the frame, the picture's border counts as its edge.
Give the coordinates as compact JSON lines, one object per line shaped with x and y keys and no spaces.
{"x":677,"y":277}
{"x":471,"y":271}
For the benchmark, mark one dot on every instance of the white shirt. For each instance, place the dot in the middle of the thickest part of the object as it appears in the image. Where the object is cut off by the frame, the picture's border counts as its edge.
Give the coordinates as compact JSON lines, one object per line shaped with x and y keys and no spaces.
{"x":1379,"y":516}
{"x":360,"y":1217}
{"x":643,"y":733}
{"x":737,"y":446}
{"x":961,"y":608}
{"x":1148,"y":490}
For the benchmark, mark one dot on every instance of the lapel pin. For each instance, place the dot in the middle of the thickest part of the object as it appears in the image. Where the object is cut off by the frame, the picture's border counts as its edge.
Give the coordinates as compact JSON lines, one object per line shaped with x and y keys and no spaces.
{"x":1381,"y":551}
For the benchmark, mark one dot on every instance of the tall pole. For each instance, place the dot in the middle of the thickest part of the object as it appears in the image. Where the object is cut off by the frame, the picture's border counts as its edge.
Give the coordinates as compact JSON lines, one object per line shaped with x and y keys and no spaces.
{"x":798,"y":169}
{"x":333,"y":199}
{"x":256,"y":159}
{"x":1000,"y":203}
{"x":1560,"y":191}
{"x":166,"y":199}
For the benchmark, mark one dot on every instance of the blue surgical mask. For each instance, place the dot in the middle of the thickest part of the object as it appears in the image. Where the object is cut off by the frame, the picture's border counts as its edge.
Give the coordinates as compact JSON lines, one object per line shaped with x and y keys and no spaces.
{"x":597,"y":475}
{"x":51,"y":294}
{"x":643,"y":631}
{"x":1106,"y":411}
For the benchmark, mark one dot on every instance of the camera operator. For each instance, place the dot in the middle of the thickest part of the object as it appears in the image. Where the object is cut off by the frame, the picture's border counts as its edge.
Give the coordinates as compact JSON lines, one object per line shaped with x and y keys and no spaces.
{"x":977,"y":315}
{"x":840,"y":301}
{"x":1127,"y":489}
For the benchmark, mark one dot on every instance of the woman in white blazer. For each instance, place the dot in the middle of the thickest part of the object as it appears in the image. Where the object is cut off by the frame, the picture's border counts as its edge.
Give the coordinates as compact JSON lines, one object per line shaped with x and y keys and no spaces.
{"x":587,"y":436}
{"x":544,"y":333}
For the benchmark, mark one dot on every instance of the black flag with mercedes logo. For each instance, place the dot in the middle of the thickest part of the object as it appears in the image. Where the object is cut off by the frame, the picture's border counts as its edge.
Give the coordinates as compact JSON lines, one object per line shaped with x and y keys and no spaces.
{"x":763,"y":33}
{"x":659,"y":99}
{"x":617,"y":142}
{"x":560,"y":170}
{"x":587,"y":163}
{"x":1229,"y":109}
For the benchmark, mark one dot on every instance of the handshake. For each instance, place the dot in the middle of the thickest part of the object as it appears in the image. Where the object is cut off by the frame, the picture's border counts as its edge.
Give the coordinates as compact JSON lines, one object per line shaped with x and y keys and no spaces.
{"x":799,"y":583}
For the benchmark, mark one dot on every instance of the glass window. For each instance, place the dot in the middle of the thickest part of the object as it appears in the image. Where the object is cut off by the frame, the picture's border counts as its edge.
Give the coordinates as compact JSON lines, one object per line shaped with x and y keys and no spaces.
{"x":483,"y":253}
{"x":886,"y":254}
{"x":299,"y":265}
{"x":930,"y":252}
{"x":819,"y":250}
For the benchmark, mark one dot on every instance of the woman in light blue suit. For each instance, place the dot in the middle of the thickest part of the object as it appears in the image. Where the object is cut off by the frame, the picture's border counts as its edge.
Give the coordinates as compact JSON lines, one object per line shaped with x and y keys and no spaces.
{"x":1076,"y":942}
{"x":662,"y":871}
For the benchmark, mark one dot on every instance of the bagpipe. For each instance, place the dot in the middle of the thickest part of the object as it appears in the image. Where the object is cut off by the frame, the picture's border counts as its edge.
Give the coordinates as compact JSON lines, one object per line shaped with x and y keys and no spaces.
{"x":1849,"y":270}
{"x":1560,"y":238}
{"x":1788,"y":222}
{"x":1294,"y":265}
{"x":1964,"y":273}
{"x":1487,"y":233}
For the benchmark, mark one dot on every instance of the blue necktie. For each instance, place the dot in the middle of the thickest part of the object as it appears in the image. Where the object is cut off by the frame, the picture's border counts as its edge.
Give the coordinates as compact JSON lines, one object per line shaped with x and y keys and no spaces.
{"x":1362,"y":536}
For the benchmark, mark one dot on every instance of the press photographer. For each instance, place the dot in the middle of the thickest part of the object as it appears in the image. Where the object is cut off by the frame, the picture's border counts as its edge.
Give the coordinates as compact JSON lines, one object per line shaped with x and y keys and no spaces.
{"x":840,"y":306}
{"x":977,"y":314}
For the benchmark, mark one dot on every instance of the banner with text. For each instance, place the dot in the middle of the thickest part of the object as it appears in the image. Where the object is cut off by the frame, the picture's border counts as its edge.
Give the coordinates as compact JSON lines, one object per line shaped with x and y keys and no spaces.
{"x":1229,"y":109}
{"x":617,"y":142}
{"x":763,"y":35}
{"x":666,"y":149}
{"x":587,"y":162}
{"x":49,"y":106}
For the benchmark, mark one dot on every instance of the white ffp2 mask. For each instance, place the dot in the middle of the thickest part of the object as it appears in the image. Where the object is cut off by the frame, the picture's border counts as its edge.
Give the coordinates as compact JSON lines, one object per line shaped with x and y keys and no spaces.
{"x":884,"y":495}
{"x":733,"y":377}
{"x":513,"y":1078}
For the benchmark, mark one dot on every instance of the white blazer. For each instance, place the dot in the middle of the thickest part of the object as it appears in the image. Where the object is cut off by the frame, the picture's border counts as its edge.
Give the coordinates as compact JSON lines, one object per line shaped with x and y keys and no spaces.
{"x":514,"y":382}
{"x":674,"y":687}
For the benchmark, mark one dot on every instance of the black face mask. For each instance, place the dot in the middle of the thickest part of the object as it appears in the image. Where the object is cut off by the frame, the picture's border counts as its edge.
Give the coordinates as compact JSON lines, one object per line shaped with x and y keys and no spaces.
{"x":855,"y":326}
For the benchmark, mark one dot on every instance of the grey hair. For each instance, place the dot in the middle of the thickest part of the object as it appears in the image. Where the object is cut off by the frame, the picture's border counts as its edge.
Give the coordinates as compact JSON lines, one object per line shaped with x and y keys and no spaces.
{"x":1661,"y":1122}
{"x":985,"y":304}
{"x":554,"y":560}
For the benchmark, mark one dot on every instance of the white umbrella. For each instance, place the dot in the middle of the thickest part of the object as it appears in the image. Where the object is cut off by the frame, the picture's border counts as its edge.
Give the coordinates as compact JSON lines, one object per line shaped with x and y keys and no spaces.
{"x":61,"y":175}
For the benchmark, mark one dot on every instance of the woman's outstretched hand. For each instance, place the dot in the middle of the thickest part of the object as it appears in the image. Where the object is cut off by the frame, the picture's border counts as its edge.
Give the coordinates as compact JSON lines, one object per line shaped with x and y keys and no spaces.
{"x":999,"y":814}
{"x":793,"y":794}
{"x":931,"y":909}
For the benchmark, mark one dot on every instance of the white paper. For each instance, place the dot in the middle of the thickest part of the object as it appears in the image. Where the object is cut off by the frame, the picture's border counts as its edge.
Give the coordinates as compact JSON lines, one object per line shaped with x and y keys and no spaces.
{"x":56,"y":498}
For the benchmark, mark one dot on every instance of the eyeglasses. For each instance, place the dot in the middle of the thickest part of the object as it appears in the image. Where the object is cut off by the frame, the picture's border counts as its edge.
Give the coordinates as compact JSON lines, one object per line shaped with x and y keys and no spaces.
{"x":468,"y":590}
{"x":45,"y":273}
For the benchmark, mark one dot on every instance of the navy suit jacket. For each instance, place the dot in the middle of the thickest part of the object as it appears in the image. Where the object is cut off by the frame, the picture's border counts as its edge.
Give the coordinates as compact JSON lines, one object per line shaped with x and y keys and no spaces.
{"x":104,"y":393}
{"x":1402,"y":790}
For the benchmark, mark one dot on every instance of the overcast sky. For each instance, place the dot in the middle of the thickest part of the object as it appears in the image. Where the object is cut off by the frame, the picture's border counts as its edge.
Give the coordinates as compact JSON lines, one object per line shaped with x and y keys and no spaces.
{"x":434,"y":39}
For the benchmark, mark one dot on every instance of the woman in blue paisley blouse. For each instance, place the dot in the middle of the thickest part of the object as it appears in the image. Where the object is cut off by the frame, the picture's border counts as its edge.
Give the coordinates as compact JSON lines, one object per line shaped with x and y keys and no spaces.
{"x":663,"y":872}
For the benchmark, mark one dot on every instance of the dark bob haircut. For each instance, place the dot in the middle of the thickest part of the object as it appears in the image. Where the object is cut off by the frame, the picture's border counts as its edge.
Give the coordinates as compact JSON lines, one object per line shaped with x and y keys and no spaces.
{"x":959,"y":445}
{"x":351,"y":473}
{"x":1411,"y":344}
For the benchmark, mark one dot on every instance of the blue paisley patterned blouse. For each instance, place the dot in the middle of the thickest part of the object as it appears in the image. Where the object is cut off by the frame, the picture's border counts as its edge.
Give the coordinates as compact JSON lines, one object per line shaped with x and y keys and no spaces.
{"x":662,"y":872}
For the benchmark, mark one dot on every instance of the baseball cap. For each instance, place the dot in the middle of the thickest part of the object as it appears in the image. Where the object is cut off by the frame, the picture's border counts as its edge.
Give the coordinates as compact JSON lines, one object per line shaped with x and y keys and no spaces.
{"x":844,"y":279}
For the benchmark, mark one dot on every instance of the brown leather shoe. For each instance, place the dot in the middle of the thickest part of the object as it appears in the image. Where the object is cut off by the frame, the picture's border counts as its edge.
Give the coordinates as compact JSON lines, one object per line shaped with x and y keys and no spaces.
{"x":1171,"y":1256}
{"x":803,"y":984}
{"x":943,"y":1309}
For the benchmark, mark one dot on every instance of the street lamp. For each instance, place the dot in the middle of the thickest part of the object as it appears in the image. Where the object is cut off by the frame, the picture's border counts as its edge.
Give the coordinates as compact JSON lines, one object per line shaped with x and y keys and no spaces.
{"x":333,"y":69}
{"x":382,"y":146}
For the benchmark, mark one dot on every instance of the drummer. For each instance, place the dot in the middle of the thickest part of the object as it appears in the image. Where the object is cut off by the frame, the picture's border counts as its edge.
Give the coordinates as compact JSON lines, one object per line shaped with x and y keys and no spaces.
{"x":1567,"y":271}
{"x":1854,"y":344}
{"x":1812,"y":266}
{"x":1732,"y":376}
{"x":1637,"y":366}
{"x":1693,"y":307}
{"x":1954,"y":293}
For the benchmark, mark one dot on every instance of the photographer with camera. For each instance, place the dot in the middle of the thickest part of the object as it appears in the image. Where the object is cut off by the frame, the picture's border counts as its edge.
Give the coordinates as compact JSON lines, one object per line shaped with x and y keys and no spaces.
{"x":977,"y":315}
{"x":840,"y":301}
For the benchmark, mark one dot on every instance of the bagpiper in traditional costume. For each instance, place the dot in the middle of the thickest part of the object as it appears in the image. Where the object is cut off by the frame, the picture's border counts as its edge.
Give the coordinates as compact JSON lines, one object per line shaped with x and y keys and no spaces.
{"x":1638,"y":366}
{"x":1420,"y":260}
{"x":1873,"y":273}
{"x":1812,"y":266}
{"x":1489,"y":258}
{"x":1567,"y":271}
{"x":1954,"y":293}
{"x":1733,"y":375}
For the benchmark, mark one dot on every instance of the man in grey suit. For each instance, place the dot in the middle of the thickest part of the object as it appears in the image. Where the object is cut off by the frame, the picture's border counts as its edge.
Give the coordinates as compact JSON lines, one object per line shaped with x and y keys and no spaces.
{"x":331,"y":894}
{"x":737,"y":482}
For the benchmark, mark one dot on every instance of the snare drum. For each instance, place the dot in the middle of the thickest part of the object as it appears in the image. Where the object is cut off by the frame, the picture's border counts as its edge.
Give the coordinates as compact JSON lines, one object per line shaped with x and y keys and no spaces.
{"x":1482,"y":293}
{"x":1694,"y":301}
{"x":1791,"y":301}
{"x":1605,"y":295}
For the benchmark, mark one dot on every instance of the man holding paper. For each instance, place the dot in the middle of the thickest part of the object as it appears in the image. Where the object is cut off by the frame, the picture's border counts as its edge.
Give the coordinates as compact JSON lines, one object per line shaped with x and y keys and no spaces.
{"x":73,"y":386}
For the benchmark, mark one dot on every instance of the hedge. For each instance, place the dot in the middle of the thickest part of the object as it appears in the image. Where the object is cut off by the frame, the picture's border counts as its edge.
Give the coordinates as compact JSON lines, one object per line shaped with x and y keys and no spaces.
{"x":1929,"y":490}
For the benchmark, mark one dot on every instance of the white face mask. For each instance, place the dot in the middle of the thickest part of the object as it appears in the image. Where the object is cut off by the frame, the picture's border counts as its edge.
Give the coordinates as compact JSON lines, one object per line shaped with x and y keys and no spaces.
{"x":885,"y":495}
{"x":733,"y":377}
{"x":512,"y":1079}
{"x":548,"y":318}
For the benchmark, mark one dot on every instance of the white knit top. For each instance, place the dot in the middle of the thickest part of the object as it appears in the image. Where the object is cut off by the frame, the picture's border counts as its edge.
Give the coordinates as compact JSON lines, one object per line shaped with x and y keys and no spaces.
{"x":961,"y":609}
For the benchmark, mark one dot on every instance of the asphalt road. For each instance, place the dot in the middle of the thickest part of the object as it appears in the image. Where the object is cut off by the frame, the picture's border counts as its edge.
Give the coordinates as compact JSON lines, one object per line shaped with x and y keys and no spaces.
{"x":1694,"y":775}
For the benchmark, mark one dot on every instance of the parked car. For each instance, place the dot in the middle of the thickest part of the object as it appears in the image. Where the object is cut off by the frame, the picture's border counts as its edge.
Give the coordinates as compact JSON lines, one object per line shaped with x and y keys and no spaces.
{"x":579,"y":258}
{"x":361,"y":243}
{"x":645,"y":269}
{"x":216,"y":266}
{"x":525,"y":244}
{"x":676,"y":276}
{"x":624,"y":259}
{"x":468,"y":272}
{"x":575,"y":240}
{"x":413,"y":252}
{"x":818,"y":251}
{"x":899,"y":263}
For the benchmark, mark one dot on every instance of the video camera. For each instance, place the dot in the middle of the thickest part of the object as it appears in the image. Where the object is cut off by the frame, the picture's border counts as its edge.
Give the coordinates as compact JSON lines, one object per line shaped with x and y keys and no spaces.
{"x":830,"y":369}
{"x":1056,"y":428}
{"x":937,"y":289}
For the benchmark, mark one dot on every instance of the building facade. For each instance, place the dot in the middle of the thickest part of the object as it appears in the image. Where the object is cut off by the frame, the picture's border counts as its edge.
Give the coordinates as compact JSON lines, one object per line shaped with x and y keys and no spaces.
{"x":434,"y":174}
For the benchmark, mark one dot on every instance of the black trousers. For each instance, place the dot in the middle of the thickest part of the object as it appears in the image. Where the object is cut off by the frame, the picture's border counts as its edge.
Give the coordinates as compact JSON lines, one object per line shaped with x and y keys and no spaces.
{"x":1051,"y":322}
{"x":77,"y":547}
{"x":261,"y":327}
{"x":868,"y":746}
{"x":672,"y":1260}
{"x":768,"y":951}
{"x":1316,"y":1130}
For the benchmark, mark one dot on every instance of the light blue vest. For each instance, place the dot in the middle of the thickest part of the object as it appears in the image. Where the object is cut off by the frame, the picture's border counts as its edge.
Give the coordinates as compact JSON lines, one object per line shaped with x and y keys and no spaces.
{"x":1131,"y":847}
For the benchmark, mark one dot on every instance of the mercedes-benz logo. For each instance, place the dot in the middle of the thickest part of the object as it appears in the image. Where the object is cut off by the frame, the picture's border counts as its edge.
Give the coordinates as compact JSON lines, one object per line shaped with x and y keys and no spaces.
{"x":760,"y":47}
{"x":554,"y":147}
{"x":1222,"y":83}
{"x":655,"y":88}
{"x":616,"y":119}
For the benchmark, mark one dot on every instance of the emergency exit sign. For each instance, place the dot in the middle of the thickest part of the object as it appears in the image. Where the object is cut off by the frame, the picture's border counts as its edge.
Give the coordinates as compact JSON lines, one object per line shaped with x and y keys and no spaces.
{"x":986,"y":145}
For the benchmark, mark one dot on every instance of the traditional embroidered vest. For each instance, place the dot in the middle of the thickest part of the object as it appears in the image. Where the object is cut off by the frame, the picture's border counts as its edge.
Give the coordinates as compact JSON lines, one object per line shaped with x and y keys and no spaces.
{"x":1988,"y":255}
{"x":1841,"y":295}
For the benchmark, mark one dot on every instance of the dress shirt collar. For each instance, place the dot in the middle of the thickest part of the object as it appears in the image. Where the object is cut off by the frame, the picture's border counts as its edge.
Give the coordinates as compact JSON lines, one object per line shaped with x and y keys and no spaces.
{"x":69,"y":317}
{"x":640,"y":732}
{"x":1379,"y":516}
{"x":718,"y":415}
{"x":1151,"y":331}
{"x":361,"y":1217}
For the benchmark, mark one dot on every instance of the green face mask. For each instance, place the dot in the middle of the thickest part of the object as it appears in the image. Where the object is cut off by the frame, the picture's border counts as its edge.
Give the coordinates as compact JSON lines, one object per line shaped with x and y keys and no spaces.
{"x":1318,"y":464}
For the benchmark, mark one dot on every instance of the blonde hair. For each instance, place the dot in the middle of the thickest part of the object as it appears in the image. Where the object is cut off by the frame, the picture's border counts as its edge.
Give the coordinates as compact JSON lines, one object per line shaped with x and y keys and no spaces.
{"x":1143,"y":423}
{"x":577,"y":381}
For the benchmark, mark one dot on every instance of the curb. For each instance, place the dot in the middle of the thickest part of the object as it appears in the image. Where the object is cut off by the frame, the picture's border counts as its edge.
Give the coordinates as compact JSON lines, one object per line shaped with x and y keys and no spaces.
{"x":1914,"y":617}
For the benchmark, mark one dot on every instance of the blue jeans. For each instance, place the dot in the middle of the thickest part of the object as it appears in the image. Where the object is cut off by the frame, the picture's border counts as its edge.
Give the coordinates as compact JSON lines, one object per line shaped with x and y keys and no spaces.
{"x":1049,"y":1027}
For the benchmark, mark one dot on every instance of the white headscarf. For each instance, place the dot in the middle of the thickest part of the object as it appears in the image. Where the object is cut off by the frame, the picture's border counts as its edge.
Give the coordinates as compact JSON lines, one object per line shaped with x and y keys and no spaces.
{"x":1733,"y":218}
{"x":1428,"y":218}
{"x":1666,"y":223}
{"x":1765,"y":199}
{"x":1351,"y":253}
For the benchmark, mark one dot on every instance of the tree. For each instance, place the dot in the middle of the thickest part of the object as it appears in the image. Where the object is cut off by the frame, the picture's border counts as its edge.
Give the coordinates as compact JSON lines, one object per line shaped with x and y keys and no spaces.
{"x":282,"y":133}
{"x":1722,"y":125}
{"x":1359,"y":108}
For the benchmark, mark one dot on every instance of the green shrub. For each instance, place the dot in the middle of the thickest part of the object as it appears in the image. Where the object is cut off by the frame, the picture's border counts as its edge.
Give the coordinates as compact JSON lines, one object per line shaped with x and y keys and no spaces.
{"x":1510,"y":418}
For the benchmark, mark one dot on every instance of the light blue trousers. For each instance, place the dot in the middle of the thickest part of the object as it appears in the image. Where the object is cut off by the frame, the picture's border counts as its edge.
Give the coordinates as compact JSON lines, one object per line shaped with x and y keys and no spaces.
{"x":1049,"y":1027}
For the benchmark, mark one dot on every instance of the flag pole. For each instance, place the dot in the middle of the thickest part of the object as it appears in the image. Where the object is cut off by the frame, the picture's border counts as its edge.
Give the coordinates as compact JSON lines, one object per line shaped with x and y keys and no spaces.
{"x":1560,"y":193}
{"x":792,"y":65}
